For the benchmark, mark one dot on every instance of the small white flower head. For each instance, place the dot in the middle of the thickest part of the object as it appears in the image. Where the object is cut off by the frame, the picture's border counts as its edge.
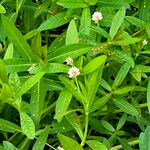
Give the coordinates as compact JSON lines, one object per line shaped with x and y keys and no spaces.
{"x":59,"y":148}
{"x":69,"y":61}
{"x":1,"y":46}
{"x":145,"y":42}
{"x":32,"y":66}
{"x":97,"y":16}
{"x":73,"y":72}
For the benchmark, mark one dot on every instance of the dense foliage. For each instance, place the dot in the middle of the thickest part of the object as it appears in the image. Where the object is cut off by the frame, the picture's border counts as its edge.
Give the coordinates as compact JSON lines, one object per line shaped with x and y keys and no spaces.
{"x":69,"y":81}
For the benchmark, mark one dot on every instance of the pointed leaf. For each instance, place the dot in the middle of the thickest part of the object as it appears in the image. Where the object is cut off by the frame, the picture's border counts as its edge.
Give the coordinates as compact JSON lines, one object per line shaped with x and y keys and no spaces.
{"x":96,"y":145}
{"x":41,"y":141}
{"x":72,"y":33}
{"x":125,"y":106}
{"x":117,"y":22}
{"x":27,"y":125}
{"x":16,"y":38}
{"x":62,"y":103}
{"x":68,"y":143}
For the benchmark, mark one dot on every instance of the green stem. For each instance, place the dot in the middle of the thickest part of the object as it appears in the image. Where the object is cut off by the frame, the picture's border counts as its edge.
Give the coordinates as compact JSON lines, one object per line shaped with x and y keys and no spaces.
{"x":86,"y":127}
{"x":134,"y":142}
{"x":24,"y":144}
{"x":48,"y":109}
{"x":77,"y":84}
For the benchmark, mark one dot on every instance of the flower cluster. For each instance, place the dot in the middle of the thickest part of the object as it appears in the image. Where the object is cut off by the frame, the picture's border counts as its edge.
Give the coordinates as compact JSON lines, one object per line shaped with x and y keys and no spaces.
{"x":145,"y":42}
{"x":69,"y":61}
{"x":97,"y":16}
{"x":59,"y":148}
{"x":73,"y":71}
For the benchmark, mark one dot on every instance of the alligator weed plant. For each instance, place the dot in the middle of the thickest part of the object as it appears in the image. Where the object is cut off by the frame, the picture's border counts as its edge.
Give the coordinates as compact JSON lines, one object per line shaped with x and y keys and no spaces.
{"x":74,"y":74}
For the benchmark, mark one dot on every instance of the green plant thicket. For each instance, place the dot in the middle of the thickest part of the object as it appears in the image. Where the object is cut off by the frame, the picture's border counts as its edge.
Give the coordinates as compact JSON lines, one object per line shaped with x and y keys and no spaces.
{"x":106,"y":107}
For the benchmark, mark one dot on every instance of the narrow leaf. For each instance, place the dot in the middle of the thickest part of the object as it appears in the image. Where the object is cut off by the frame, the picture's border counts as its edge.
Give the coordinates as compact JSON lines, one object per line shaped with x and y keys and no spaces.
{"x":8,"y":126}
{"x":37,"y":101}
{"x":62,"y":103}
{"x":125,"y":106}
{"x":27,"y":125}
{"x":41,"y":141}
{"x":16,"y":38}
{"x":94,"y":64}
{"x":28,"y":84}
{"x":117,"y":22}
{"x":73,"y":50}
{"x":68,"y":143}
{"x":148,"y":96}
{"x":72,"y":33}
{"x":54,"y":22}
{"x":121,"y":75}
{"x":96,"y":145}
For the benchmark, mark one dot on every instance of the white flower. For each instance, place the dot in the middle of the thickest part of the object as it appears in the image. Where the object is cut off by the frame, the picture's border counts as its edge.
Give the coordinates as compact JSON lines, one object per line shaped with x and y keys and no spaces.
{"x":145,"y":42}
{"x":32,"y":66}
{"x":73,"y":72}
{"x":69,"y":61}
{"x":1,"y":46}
{"x":97,"y":16}
{"x":59,"y":148}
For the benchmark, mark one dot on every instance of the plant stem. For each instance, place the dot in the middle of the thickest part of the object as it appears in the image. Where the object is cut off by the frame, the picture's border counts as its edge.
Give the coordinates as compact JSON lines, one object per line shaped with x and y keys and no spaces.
{"x":86,"y":127}
{"x":120,"y":146}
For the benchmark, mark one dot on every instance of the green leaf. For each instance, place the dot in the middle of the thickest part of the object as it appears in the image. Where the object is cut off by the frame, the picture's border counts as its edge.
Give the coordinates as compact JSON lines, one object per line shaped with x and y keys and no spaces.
{"x":3,"y":73}
{"x":121,"y":121}
{"x":68,"y":143}
{"x":37,"y":102}
{"x":85,"y":21}
{"x":62,"y":103}
{"x":124,"y":39}
{"x":74,"y":120}
{"x":116,"y":4}
{"x":105,"y":85}
{"x":121,"y":75}
{"x":29,"y":84}
{"x":73,"y":89}
{"x":141,"y":69}
{"x":100,"y":102}
{"x":17,"y":65}
{"x":96,"y":145}
{"x":107,"y":126}
{"x":27,"y":125}
{"x":72,"y":33}
{"x":94,"y":64}
{"x":15,"y":84}
{"x":54,"y":22}
{"x":125,"y":144}
{"x":41,"y":141}
{"x":144,"y":141}
{"x":100,"y":31}
{"x":124,"y":90}
{"x":125,"y":106}
{"x":41,"y":8}
{"x":50,"y":68}
{"x":117,"y":22}
{"x":16,"y":38}
{"x":135,"y":21}
{"x":93,"y":82}
{"x":2,"y":9}
{"x":122,"y":56}
{"x":144,"y":10}
{"x":73,"y":50}
{"x":9,"y":52}
{"x":73,"y":3}
{"x":8,"y":145}
{"x":148,"y":96}
{"x":8,"y":126}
